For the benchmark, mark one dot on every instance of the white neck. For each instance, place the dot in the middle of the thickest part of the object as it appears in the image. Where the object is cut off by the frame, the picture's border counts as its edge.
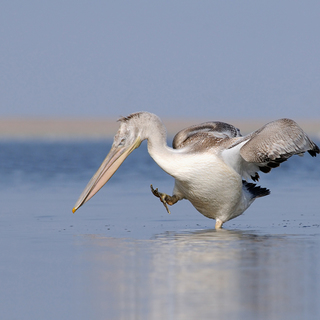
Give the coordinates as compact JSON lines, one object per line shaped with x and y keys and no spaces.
{"x":167,"y":158}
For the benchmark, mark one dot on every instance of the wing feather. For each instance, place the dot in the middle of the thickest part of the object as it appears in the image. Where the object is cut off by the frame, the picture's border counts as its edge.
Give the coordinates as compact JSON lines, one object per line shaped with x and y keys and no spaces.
{"x":276,"y":142}
{"x":205,"y":135}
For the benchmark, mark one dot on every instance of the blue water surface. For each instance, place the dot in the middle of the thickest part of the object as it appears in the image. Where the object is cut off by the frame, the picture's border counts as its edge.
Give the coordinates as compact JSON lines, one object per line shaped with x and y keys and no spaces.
{"x":122,"y":256}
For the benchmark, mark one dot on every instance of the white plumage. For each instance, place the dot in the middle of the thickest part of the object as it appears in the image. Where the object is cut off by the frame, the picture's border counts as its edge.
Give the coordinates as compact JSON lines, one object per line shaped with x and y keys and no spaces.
{"x":208,"y":161}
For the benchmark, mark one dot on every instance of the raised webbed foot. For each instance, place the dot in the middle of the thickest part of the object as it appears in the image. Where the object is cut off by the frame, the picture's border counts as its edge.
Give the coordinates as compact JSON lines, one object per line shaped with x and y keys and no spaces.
{"x":162,"y":196}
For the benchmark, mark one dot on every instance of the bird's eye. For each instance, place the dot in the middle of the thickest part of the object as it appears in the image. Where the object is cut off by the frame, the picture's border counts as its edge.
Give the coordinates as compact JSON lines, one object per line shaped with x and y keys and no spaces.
{"x":122,"y":142}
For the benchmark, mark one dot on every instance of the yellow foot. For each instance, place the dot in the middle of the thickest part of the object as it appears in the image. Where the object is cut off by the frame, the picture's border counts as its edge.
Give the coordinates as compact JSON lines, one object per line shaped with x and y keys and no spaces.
{"x":161,"y":196}
{"x":219,"y":224}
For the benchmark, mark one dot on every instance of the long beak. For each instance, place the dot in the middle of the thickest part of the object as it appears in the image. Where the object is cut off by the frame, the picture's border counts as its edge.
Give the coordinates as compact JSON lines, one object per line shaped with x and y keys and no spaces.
{"x":108,"y":167}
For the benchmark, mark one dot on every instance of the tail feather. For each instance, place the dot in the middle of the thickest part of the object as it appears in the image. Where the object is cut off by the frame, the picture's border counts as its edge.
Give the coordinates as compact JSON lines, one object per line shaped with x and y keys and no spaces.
{"x":255,"y":190}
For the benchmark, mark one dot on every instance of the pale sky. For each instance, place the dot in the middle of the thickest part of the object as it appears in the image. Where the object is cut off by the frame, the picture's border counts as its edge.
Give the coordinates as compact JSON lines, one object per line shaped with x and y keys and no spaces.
{"x":204,"y":59}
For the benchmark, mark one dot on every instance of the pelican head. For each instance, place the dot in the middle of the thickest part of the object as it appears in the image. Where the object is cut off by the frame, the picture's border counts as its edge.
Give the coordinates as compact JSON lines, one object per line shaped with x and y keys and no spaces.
{"x":133,"y":130}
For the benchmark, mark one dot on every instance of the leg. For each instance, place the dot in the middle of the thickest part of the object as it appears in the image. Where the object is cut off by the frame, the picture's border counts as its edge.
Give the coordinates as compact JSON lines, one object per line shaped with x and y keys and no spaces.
{"x":164,"y":198}
{"x":219,"y":224}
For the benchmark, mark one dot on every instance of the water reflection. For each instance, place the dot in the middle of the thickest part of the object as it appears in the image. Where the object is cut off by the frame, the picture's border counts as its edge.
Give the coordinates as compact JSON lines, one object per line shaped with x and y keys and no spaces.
{"x":206,"y":275}
{"x":49,"y":271}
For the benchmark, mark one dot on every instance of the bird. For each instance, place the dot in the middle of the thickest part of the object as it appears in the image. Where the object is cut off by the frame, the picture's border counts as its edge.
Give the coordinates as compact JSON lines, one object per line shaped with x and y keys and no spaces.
{"x":212,"y":163}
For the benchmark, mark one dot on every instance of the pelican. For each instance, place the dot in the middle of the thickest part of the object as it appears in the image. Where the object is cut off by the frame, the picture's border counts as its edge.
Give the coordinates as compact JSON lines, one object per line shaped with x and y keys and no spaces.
{"x":210,"y":162}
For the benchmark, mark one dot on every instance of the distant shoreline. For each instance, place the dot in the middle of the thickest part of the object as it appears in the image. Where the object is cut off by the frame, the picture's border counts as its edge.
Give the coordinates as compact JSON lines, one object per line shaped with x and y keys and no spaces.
{"x":78,"y":129}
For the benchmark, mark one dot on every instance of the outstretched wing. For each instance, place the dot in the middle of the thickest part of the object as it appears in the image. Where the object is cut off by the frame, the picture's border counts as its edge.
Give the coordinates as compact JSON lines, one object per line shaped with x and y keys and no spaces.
{"x":205,"y":135}
{"x":267,"y":148}
{"x":276,"y":142}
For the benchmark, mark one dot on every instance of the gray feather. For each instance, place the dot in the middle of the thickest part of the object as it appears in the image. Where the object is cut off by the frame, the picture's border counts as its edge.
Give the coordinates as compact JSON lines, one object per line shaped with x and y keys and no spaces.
{"x":205,"y":135}
{"x":276,"y":142}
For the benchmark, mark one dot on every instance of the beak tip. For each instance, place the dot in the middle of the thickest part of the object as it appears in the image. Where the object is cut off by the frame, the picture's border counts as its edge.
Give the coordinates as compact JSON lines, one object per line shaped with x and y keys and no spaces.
{"x":74,"y":210}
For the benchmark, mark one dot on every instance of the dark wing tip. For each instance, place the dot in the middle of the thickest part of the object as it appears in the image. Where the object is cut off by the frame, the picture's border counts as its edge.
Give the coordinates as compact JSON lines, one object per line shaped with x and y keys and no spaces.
{"x":256,"y":177}
{"x":313,"y":152}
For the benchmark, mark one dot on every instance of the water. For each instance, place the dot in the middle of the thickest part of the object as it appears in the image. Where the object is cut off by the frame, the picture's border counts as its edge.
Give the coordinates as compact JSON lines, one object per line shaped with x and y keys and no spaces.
{"x":121,"y":256}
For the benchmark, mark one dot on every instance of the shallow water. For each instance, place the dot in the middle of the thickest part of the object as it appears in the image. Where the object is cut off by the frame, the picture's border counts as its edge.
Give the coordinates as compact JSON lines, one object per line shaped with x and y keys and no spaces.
{"x":121,"y":256}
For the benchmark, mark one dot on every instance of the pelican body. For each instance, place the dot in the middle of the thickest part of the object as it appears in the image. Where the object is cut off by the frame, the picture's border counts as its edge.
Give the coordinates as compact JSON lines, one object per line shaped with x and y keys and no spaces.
{"x":211,"y":162}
